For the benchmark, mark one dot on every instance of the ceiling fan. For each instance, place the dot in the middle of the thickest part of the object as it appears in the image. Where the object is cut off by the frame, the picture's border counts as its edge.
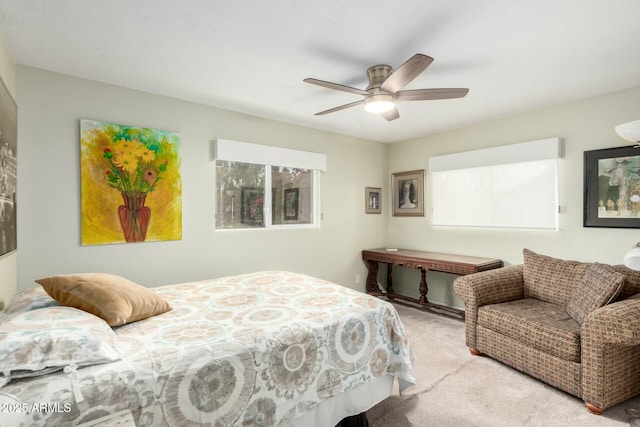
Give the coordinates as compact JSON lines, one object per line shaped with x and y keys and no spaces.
{"x":384,"y":88}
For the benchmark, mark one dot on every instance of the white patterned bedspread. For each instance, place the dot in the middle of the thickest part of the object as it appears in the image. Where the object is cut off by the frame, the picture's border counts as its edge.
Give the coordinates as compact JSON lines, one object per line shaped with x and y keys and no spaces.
{"x":245,"y":350}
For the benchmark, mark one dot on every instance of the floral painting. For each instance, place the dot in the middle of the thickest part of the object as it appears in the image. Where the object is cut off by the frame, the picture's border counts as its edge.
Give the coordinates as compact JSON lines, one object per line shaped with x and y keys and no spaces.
{"x":130,"y":183}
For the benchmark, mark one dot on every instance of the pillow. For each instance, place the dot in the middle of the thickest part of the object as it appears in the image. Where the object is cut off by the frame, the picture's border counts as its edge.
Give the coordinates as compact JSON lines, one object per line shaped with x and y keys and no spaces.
{"x":30,"y":299}
{"x":550,"y":279}
{"x":113,"y":298}
{"x":600,"y":285}
{"x":45,"y":340}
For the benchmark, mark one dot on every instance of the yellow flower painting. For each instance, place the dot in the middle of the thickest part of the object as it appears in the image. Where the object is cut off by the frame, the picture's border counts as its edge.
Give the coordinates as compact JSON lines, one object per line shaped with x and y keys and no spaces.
{"x":130,"y":183}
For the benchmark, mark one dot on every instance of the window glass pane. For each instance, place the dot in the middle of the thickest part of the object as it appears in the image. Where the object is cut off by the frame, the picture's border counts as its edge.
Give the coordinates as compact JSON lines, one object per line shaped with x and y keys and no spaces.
{"x":291,"y":195}
{"x":239,"y":195}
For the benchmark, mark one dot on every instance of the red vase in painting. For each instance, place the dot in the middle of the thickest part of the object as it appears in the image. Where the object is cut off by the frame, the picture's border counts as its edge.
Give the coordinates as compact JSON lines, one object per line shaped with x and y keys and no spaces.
{"x":134,"y":217}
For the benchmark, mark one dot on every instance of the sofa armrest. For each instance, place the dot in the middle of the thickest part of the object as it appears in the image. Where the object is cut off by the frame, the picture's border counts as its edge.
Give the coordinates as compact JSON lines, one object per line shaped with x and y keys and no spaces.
{"x":617,"y":323}
{"x":488,"y":287}
{"x":491,"y":286}
{"x":610,"y":353}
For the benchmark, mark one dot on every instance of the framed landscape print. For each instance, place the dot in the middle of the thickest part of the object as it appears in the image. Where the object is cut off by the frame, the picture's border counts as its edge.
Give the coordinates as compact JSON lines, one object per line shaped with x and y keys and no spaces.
{"x":612,"y":187}
{"x":408,"y":193}
{"x":8,"y":170}
{"x":130,"y":184}
{"x":372,"y":200}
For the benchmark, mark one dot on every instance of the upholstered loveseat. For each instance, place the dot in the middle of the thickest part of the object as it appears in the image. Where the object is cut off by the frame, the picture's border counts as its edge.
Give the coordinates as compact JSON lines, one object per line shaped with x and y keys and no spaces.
{"x":573,"y":325}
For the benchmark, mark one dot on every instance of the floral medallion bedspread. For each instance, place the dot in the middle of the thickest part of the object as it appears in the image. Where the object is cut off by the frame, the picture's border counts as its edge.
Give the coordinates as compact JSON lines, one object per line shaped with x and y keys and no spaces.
{"x":245,"y":350}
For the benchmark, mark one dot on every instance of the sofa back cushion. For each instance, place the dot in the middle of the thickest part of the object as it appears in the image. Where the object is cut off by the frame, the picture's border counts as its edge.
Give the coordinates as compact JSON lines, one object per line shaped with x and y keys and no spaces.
{"x":632,"y":282}
{"x":550,"y":279}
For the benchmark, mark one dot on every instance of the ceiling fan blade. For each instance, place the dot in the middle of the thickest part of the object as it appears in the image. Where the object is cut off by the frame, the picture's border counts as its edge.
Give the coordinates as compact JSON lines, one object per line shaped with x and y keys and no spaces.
{"x":406,"y":72}
{"x":427,"y":94}
{"x":336,"y":86}
{"x":391,"y":114}
{"x":341,"y":107}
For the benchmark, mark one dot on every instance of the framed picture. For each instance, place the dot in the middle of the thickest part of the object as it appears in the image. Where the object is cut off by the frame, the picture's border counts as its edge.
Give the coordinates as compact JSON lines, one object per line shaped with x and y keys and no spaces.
{"x":8,"y":170}
{"x":612,"y":187}
{"x":251,"y":200}
{"x":291,"y":204}
{"x":372,"y":200}
{"x":130,"y":184}
{"x":408,"y":193}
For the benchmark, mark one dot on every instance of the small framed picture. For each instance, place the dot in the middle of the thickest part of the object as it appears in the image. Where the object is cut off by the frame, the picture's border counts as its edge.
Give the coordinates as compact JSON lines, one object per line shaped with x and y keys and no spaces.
{"x":408,"y":193}
{"x":291,"y":197}
{"x":612,"y":187}
{"x":251,"y":199}
{"x":372,"y":200}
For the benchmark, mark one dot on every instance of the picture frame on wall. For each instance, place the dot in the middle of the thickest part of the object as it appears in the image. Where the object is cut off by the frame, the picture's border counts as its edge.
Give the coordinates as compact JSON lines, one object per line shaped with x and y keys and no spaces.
{"x":612,"y":187}
{"x":372,"y":200}
{"x":408,"y":193}
{"x":8,"y":170}
{"x":291,"y":202}
{"x":251,"y":212}
{"x":130,"y":183}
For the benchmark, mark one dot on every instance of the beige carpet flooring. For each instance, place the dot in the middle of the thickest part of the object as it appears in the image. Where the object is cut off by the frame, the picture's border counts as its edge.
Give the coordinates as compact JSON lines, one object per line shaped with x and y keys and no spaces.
{"x":454,"y":388}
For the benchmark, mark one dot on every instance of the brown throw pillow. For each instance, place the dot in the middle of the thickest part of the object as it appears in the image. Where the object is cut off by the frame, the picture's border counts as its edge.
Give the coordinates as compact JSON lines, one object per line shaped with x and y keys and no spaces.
{"x":600,"y":285}
{"x":113,"y":298}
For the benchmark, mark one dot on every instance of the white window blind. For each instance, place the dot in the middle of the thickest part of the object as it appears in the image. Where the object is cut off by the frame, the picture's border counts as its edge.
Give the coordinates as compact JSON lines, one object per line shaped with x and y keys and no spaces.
{"x":511,"y":186}
{"x":245,"y":152}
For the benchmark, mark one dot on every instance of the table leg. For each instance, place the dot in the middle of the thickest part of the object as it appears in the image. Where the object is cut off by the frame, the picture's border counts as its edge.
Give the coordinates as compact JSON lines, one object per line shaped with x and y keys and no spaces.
{"x":372,"y":278}
{"x":389,"y":279}
{"x":423,"y":287}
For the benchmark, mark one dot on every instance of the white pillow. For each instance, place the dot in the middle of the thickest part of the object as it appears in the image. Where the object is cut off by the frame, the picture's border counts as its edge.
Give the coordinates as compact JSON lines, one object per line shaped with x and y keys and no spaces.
{"x":30,"y":299}
{"x":45,"y":340}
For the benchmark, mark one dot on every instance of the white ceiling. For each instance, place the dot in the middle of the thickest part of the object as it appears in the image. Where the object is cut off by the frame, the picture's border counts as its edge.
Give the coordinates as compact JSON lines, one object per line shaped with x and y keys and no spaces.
{"x":252,"y":55}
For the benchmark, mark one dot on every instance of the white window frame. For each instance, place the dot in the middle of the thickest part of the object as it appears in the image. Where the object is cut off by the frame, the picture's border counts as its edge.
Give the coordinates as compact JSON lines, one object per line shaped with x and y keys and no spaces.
{"x":268,"y":156}
{"x":488,"y":159}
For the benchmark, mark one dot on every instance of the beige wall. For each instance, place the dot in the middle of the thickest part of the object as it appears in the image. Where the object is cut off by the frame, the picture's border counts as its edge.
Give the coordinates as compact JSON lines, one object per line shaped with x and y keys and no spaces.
{"x":584,"y":125}
{"x":8,"y":262}
{"x":49,"y":215}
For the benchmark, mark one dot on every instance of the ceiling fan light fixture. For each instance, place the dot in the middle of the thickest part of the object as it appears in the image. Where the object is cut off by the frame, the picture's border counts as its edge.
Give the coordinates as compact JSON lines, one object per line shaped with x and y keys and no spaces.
{"x":629,"y":131}
{"x":379,"y":103}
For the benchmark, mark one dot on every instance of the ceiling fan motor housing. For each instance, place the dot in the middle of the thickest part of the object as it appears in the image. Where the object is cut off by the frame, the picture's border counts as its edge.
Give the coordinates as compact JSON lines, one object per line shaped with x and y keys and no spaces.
{"x":377,"y":75}
{"x":380,"y":100}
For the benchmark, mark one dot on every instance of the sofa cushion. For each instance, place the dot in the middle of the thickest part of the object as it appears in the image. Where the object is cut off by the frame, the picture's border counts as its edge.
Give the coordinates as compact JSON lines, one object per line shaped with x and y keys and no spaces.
{"x":631,"y":284}
{"x":544,"y":326}
{"x":600,"y":285}
{"x":550,"y":279}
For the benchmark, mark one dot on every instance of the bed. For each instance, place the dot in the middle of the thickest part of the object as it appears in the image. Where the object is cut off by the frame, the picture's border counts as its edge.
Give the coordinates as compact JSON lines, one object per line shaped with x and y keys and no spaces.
{"x":271,"y":348}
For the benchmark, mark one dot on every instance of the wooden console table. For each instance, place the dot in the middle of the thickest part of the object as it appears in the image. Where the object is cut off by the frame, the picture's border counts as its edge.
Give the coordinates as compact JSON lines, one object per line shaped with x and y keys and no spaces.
{"x":423,"y":261}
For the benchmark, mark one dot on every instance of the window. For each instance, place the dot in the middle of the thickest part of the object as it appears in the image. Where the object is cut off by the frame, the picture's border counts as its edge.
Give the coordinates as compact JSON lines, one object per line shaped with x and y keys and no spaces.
{"x":291,"y":195}
{"x":266,"y":187}
{"x":513,"y":186}
{"x":240,"y":195}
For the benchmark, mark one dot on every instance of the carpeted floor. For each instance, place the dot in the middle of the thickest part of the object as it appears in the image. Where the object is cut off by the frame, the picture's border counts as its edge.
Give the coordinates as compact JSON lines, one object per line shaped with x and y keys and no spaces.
{"x":454,"y":388}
